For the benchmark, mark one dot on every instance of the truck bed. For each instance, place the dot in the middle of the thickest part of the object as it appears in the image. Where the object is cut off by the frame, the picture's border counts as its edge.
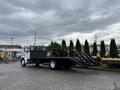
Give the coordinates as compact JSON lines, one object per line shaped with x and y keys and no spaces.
{"x":56,"y":58}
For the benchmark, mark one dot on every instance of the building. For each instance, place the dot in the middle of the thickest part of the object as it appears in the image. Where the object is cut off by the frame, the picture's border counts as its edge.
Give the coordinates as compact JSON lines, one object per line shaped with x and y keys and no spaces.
{"x":9,"y":52}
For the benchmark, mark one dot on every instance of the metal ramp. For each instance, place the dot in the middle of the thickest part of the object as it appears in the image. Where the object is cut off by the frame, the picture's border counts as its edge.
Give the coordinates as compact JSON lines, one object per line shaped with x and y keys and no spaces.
{"x":83,"y":59}
{"x":88,"y":58}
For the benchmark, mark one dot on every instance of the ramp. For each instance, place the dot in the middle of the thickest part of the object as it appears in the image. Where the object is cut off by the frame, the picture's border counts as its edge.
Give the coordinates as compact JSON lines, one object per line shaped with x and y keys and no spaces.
{"x":84,"y":60}
{"x":88,"y":58}
{"x":77,"y":61}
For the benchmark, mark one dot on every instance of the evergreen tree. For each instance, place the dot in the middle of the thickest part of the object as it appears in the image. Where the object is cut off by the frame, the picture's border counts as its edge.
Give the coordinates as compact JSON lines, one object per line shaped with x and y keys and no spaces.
{"x":113,"y":49}
{"x":64,"y":51}
{"x":95,"y":51}
{"x":78,"y":45}
{"x":102,"y":49}
{"x":71,"y":48}
{"x":86,"y":47}
{"x":55,"y":49}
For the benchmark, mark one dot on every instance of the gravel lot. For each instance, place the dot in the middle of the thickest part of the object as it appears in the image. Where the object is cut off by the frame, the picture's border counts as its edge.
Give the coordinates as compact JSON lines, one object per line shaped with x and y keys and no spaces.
{"x":14,"y":77}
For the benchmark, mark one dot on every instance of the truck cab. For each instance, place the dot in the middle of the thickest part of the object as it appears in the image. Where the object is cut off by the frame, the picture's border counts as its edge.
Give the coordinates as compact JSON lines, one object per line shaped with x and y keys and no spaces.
{"x":32,"y":55}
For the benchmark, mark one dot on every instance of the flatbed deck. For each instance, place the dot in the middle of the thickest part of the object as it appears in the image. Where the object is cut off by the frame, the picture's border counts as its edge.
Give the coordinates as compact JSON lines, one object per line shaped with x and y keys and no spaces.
{"x":61,"y":58}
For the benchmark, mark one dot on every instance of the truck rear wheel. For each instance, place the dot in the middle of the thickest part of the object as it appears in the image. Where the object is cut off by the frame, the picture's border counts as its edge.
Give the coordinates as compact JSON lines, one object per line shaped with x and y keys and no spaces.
{"x":37,"y":64}
{"x":54,"y":64}
{"x":23,"y":64}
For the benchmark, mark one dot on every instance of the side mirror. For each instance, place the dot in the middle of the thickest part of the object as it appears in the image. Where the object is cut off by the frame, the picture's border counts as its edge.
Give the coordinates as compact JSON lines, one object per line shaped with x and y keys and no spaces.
{"x":26,"y":50}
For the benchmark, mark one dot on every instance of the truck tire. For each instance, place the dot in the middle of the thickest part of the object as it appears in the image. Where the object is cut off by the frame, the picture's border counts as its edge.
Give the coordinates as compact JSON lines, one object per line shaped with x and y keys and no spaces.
{"x":23,"y":64}
{"x":37,"y":64}
{"x":54,"y":65}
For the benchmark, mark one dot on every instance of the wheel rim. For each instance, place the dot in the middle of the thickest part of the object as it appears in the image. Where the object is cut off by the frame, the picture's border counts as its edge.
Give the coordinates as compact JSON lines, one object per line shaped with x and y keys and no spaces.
{"x":23,"y":62}
{"x":52,"y":64}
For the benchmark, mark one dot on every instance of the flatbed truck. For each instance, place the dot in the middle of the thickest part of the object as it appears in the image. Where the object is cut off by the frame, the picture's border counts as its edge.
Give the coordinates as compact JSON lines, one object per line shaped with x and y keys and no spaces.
{"x":39,"y":55}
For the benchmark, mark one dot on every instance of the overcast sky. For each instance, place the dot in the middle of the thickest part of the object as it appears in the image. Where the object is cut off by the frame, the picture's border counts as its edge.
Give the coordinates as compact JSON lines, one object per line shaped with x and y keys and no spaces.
{"x":58,"y":19}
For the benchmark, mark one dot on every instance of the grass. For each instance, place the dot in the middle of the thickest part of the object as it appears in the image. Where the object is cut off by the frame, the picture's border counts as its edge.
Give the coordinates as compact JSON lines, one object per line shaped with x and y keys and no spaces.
{"x":102,"y":66}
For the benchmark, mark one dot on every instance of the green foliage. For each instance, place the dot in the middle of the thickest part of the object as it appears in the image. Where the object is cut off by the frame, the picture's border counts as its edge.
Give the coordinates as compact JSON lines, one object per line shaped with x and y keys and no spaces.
{"x":78,"y":45}
{"x":102,"y":49}
{"x":71,"y":49}
{"x":86,"y":47}
{"x":95,"y":51}
{"x":113,"y":49}
{"x":55,"y":49}
{"x":64,"y":49}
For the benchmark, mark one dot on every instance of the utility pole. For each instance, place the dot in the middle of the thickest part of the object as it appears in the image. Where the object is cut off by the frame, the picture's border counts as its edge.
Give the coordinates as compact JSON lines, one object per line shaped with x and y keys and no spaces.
{"x":12,"y":39}
{"x":35,"y":39}
{"x":96,"y":37}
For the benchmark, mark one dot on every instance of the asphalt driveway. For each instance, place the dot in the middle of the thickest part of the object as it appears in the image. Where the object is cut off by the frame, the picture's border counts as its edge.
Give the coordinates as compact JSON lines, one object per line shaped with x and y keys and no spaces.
{"x":14,"y":77}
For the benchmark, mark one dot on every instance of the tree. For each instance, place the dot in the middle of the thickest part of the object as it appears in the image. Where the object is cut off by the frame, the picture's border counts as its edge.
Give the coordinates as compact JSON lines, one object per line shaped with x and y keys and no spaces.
{"x":95,"y":51}
{"x":102,"y":49}
{"x":86,"y":47}
{"x":64,"y":51}
{"x":71,"y":48}
{"x":78,"y":45}
{"x":113,"y":49}
{"x":55,"y":49}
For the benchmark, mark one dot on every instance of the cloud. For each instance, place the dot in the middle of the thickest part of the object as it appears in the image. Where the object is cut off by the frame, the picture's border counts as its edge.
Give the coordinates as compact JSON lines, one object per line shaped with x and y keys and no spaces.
{"x":57,"y":19}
